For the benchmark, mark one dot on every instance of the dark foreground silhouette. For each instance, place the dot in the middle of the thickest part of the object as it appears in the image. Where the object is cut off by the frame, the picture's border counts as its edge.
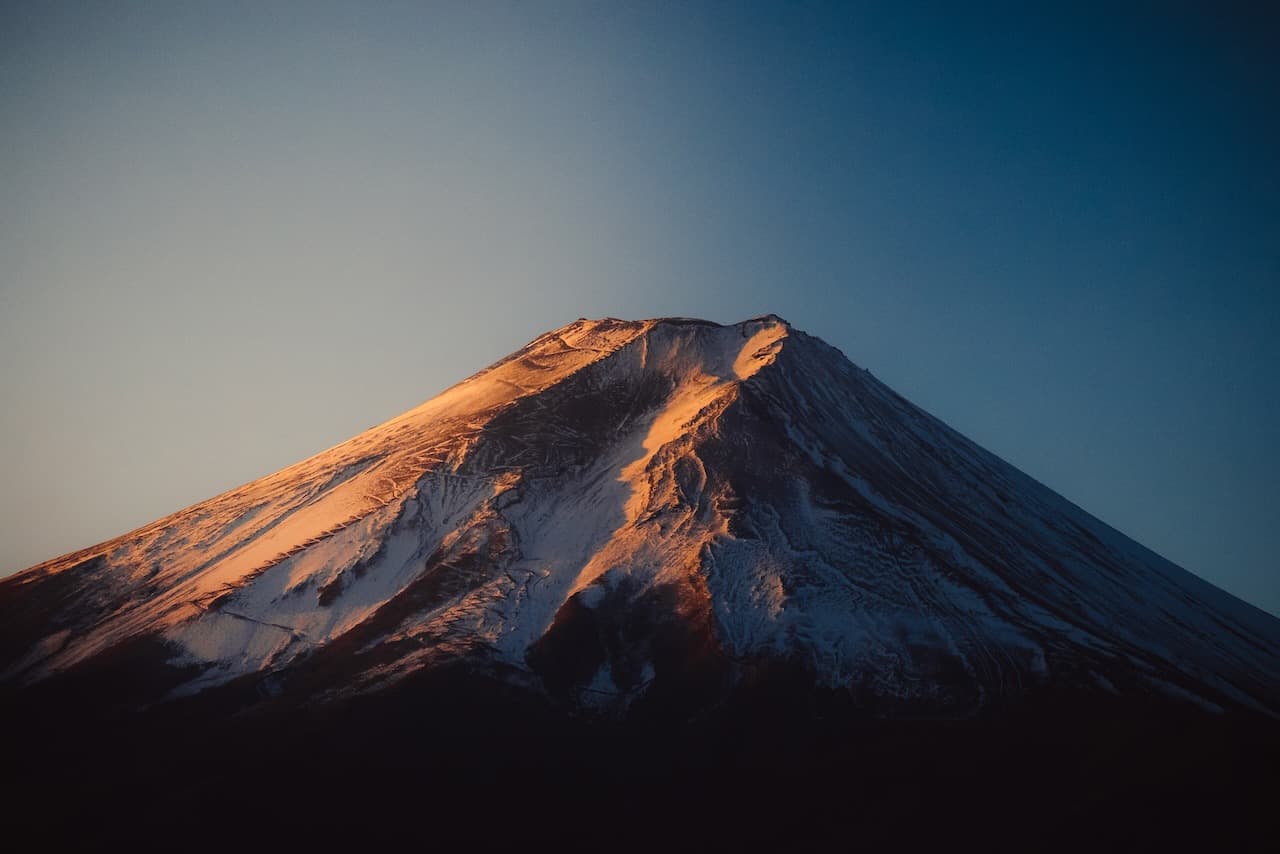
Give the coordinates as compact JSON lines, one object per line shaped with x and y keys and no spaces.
{"x":458,"y":758}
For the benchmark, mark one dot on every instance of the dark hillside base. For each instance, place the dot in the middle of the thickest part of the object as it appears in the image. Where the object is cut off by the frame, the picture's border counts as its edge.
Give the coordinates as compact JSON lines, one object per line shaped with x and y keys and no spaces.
{"x":457,"y":758}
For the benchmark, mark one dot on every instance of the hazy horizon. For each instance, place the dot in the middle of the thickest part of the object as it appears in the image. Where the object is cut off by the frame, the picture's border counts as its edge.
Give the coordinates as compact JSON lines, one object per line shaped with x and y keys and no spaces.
{"x":237,"y":234}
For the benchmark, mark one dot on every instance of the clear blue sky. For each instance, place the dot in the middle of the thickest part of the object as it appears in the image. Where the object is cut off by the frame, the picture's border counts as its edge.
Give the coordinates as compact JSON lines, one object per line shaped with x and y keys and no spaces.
{"x":233,"y":234}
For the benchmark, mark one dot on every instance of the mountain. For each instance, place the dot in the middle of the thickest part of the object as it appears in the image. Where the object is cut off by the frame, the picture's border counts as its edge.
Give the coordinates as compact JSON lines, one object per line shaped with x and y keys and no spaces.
{"x":620,"y":507}
{"x":666,"y":520}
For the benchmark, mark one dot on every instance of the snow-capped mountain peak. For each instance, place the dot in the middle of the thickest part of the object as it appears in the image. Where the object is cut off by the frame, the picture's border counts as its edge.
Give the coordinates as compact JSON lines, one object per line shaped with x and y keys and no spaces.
{"x":623,"y":507}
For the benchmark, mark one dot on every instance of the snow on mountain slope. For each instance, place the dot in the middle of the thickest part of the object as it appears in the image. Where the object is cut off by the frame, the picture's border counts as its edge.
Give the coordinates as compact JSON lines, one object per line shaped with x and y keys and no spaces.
{"x":619,"y":502}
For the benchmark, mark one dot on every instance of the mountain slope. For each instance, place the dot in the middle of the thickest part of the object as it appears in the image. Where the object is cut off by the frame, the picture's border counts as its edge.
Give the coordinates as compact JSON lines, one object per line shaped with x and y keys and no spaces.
{"x":623,"y":512}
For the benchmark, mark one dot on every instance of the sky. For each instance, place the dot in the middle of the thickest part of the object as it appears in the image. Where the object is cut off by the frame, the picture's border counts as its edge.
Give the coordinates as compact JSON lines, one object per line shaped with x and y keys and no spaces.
{"x":235,"y":234}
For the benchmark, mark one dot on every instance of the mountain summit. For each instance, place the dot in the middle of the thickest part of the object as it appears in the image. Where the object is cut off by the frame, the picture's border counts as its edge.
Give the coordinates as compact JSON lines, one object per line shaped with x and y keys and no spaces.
{"x":623,"y":514}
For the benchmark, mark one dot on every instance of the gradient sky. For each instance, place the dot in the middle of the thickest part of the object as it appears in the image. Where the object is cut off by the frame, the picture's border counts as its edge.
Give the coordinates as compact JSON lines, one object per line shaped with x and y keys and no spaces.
{"x":233,"y":234}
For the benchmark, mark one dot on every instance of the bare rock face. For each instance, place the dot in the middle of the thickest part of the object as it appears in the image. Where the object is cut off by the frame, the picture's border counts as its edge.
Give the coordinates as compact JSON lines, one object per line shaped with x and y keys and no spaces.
{"x":630,"y":514}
